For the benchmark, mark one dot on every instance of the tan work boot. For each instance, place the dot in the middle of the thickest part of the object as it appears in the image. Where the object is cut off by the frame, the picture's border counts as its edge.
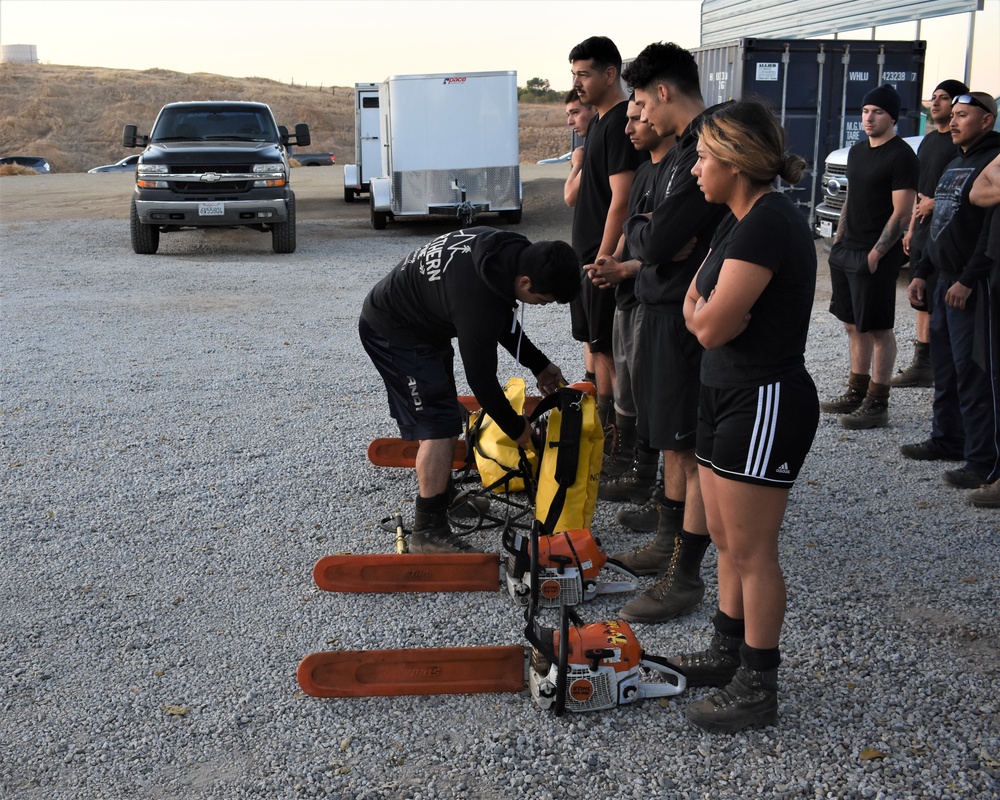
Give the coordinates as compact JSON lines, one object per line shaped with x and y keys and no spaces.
{"x":680,"y":589}
{"x":653,"y":558}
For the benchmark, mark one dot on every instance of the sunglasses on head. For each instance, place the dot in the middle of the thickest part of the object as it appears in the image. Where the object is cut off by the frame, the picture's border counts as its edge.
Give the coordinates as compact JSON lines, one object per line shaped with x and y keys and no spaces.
{"x":970,"y":100}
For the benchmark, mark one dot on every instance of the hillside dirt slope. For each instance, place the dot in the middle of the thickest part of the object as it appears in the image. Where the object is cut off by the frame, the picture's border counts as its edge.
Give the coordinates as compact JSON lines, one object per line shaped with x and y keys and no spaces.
{"x":73,"y":116}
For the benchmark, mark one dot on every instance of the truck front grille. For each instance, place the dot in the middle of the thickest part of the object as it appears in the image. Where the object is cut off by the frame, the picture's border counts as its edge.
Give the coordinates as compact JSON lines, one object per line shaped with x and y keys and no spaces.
{"x":222,"y":187}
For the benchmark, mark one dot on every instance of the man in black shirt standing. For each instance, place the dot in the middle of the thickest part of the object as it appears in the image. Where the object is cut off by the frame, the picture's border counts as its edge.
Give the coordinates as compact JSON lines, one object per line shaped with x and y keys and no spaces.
{"x":866,"y":257}
{"x":935,"y":151}
{"x":465,"y":285}
{"x":609,"y":163}
{"x":670,"y":242}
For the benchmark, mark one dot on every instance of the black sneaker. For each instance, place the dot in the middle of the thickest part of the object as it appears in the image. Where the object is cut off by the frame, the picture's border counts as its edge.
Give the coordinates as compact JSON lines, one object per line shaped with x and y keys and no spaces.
{"x":749,"y":701}
{"x":928,"y":451}
{"x":964,"y":478}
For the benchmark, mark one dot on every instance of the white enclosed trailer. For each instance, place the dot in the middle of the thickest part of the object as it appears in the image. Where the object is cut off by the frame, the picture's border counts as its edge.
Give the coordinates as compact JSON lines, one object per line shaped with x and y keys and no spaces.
{"x":449,"y":146}
{"x":367,"y":150}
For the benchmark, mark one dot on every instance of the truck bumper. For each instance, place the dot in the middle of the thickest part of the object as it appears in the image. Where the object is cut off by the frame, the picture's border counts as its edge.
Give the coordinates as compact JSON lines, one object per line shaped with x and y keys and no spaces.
{"x":210,"y":214}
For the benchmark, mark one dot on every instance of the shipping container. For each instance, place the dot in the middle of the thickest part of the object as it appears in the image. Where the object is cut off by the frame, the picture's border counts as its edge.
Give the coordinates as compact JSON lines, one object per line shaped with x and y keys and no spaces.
{"x":816,"y":87}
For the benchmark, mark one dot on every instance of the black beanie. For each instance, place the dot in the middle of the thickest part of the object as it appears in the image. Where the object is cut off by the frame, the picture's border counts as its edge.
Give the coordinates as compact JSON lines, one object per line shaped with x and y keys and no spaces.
{"x":952,"y":87}
{"x":886,"y":98}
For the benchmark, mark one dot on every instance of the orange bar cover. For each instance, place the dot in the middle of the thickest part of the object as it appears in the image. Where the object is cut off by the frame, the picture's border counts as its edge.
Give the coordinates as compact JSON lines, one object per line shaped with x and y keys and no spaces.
{"x":409,"y":572}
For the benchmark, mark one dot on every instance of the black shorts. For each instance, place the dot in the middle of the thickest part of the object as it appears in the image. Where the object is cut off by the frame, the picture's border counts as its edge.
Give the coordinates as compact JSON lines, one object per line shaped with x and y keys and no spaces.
{"x":864,"y":299}
{"x":667,"y":381}
{"x":592,"y":316}
{"x":420,"y":382}
{"x":759,"y":435}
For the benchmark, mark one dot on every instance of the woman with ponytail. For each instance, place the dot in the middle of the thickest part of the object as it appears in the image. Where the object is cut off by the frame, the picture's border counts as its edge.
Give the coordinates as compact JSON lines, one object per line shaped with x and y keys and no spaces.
{"x":749,"y":306}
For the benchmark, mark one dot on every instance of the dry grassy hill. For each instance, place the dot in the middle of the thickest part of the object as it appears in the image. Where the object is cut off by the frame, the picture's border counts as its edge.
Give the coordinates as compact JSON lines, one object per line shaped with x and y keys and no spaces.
{"x":73,"y":116}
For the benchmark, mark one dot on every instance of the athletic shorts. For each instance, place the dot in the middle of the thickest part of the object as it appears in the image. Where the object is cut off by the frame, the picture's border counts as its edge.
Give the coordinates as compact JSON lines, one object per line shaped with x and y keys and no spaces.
{"x":625,"y":346}
{"x":759,"y":435}
{"x":420,"y":382}
{"x":864,"y":299}
{"x":668,"y":382}
{"x":592,"y":316}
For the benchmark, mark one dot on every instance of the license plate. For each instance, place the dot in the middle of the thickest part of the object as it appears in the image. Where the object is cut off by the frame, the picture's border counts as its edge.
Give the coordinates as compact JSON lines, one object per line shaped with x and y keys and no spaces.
{"x":211,"y":209}
{"x":826,"y":229}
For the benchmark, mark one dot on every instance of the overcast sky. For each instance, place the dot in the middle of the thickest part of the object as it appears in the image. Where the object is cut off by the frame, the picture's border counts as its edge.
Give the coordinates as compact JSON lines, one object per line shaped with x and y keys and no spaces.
{"x":334,"y":42}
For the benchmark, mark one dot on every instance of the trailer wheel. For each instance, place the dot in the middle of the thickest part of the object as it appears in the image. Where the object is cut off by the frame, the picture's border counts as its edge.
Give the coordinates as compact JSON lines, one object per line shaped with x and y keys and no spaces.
{"x":283,"y":233}
{"x":145,"y":238}
{"x":348,"y":195}
{"x":378,"y":217}
{"x":513,"y":217}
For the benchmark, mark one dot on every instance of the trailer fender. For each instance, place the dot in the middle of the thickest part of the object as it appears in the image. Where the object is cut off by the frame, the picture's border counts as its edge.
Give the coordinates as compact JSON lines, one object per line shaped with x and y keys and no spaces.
{"x":380,"y":190}
{"x":352,"y":177}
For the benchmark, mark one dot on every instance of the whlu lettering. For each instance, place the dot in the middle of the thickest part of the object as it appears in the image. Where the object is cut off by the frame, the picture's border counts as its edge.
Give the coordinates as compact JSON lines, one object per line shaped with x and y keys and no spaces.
{"x":857,"y":76}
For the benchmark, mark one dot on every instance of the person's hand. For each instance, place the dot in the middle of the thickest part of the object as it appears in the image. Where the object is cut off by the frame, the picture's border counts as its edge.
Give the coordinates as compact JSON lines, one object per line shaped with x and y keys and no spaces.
{"x":915,"y":292}
{"x":906,"y":241}
{"x":608,"y":271}
{"x":685,"y":251}
{"x":576,"y":160}
{"x":924,"y":207}
{"x":873,"y":259}
{"x":957,"y":294}
{"x":524,"y":441}
{"x":550,"y":379}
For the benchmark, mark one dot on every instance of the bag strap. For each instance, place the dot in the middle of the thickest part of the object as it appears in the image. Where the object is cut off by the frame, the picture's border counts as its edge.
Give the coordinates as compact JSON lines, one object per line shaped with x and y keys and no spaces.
{"x":570,"y":403}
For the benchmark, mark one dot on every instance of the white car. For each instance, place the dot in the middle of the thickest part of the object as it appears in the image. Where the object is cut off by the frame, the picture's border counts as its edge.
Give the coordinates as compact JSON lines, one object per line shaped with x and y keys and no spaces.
{"x":127,"y":164}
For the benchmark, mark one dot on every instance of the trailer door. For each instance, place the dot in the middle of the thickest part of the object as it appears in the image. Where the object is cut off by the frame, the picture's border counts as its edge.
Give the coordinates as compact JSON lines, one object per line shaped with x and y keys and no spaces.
{"x":369,"y":150}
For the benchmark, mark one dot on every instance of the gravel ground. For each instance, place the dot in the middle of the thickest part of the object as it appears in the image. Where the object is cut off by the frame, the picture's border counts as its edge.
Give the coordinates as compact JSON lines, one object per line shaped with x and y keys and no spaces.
{"x":183,"y":435}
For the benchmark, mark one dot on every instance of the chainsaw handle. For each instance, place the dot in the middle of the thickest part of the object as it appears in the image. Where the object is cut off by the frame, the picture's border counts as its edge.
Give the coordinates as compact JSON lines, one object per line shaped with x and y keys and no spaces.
{"x":666,"y":669}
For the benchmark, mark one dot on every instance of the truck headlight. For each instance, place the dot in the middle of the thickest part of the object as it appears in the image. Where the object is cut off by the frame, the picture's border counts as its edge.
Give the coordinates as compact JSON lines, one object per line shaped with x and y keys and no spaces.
{"x":271,"y":175}
{"x":144,"y":176}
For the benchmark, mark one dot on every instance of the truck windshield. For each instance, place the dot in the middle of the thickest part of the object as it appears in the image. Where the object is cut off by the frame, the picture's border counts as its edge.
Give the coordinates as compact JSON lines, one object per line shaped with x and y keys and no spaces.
{"x":200,"y":124}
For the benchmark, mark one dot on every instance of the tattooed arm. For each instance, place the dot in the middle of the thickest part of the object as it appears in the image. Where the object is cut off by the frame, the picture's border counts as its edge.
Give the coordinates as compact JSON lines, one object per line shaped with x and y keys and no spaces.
{"x":902,"y":207}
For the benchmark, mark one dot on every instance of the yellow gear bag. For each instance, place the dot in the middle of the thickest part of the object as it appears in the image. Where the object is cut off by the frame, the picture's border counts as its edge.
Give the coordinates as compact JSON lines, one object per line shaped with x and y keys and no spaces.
{"x":496,"y":453}
{"x":570,"y":470}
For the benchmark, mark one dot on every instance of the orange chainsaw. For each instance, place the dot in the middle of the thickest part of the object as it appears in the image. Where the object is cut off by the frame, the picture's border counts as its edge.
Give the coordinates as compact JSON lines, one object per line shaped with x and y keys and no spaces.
{"x":576,"y":668}
{"x":567,"y":570}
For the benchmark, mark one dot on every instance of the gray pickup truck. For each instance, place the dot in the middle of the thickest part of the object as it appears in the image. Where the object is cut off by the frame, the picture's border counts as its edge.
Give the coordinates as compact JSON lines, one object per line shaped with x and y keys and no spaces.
{"x":213,"y":164}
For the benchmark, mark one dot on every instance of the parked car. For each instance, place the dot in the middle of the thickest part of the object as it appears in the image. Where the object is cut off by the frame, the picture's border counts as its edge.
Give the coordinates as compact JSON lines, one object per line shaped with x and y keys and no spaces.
{"x":314,"y":159}
{"x":557,"y":159}
{"x":39,"y":165}
{"x":127,"y":164}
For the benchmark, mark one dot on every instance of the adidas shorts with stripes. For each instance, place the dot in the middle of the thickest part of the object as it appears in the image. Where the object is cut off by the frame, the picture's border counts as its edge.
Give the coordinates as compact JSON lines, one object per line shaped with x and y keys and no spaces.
{"x":758,"y":435}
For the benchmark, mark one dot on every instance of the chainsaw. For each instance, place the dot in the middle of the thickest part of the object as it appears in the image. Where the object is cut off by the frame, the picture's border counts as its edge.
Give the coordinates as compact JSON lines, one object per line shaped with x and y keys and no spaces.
{"x":567,"y":570}
{"x":576,"y":668}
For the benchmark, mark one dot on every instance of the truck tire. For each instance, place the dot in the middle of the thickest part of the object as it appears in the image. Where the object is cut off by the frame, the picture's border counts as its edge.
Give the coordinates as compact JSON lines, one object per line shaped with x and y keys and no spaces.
{"x":379,"y":218}
{"x":145,"y":238}
{"x":348,"y":195}
{"x":283,"y":233}
{"x":513,"y":217}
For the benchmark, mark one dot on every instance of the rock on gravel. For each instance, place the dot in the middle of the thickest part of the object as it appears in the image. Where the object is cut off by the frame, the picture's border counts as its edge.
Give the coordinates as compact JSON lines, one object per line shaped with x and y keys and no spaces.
{"x":183,"y":435}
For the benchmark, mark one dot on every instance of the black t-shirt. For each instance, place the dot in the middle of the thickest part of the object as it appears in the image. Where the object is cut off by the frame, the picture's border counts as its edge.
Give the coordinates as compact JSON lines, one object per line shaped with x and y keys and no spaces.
{"x":774,"y":235}
{"x":607,"y":150}
{"x":460,"y":285}
{"x":873,"y":174}
{"x":639,"y":200}
{"x":935,"y":151}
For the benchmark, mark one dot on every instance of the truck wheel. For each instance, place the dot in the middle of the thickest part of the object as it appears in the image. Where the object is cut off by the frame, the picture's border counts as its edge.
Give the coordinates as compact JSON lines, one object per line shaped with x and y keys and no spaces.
{"x":145,"y":238}
{"x":283,"y":233}
{"x":378,"y":217}
{"x":348,"y":195}
{"x":513,"y":217}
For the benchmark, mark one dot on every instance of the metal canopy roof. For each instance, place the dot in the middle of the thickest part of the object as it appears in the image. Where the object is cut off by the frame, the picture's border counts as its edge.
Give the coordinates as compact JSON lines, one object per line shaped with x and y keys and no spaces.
{"x":725,"y":20}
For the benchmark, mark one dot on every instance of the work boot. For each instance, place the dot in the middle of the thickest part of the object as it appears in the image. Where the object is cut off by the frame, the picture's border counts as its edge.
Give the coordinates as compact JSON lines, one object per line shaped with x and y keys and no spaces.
{"x":749,"y":701}
{"x":633,"y":485}
{"x":654,"y":557}
{"x":680,"y":589}
{"x":432,"y":535}
{"x":645,"y":517}
{"x":715,"y":666}
{"x":987,"y":496}
{"x":467,"y":504}
{"x":857,"y":388}
{"x":928,"y":451}
{"x":920,"y":372}
{"x":872,"y":413}
{"x":619,"y":447}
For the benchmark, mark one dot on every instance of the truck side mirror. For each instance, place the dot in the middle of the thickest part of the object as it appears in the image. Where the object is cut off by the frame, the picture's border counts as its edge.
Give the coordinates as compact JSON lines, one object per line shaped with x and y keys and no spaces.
{"x":283,"y":134}
{"x":129,"y":136}
{"x":302,"y":138}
